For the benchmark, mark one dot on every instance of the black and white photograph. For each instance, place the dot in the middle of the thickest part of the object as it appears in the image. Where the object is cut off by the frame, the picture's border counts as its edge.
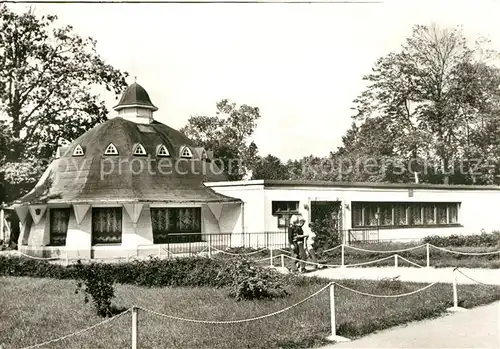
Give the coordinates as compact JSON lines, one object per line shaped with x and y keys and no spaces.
{"x":236,"y":174}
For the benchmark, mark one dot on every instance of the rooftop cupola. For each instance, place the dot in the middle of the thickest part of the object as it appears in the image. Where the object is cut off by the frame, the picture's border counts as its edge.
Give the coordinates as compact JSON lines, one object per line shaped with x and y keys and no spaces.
{"x":135,"y":105}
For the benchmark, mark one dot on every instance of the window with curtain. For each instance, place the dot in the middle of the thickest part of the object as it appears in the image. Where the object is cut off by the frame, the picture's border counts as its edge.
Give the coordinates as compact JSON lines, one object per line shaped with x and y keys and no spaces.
{"x":59,"y":219}
{"x":400,"y":214}
{"x":357,"y":215}
{"x":385,"y":214}
{"x":176,"y":224}
{"x":404,"y":214}
{"x":429,"y":214}
{"x":441,"y":213}
{"x":106,"y":225}
{"x":453,"y":213}
{"x":416,"y":214}
{"x":370,"y":210}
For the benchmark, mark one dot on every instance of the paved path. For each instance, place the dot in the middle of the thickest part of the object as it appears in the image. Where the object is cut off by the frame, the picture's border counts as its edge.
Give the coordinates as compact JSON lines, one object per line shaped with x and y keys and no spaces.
{"x":474,"y":328}
{"x":426,"y":275}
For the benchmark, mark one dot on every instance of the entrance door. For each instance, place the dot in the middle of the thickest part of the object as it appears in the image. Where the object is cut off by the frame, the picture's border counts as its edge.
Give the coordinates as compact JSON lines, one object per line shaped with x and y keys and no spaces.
{"x":328,"y":213}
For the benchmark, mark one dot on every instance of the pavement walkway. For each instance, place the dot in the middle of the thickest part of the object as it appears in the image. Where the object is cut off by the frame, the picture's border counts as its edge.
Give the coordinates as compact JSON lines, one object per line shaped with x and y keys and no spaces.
{"x":475,"y":328}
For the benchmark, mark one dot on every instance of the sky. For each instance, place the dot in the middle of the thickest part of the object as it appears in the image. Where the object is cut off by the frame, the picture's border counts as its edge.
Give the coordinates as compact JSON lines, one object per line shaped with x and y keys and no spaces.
{"x":301,"y":64}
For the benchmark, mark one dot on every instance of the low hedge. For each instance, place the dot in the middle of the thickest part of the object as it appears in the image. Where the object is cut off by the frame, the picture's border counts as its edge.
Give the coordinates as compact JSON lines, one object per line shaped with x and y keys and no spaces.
{"x":191,"y":271}
{"x":243,"y":278}
{"x":477,"y":240}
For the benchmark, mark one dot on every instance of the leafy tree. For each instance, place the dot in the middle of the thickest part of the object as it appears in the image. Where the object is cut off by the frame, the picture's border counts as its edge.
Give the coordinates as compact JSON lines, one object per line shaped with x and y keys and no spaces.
{"x":439,"y":100}
{"x":312,"y":168}
{"x":227,"y":134}
{"x":49,"y":82}
{"x":270,"y":167}
{"x":369,"y":154}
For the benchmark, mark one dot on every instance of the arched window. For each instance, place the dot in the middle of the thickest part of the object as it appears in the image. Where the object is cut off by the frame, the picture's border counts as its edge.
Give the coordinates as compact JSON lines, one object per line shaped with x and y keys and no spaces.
{"x":139,"y":150}
{"x":186,"y":152}
{"x":78,"y":151}
{"x":111,"y":150}
{"x":162,"y":151}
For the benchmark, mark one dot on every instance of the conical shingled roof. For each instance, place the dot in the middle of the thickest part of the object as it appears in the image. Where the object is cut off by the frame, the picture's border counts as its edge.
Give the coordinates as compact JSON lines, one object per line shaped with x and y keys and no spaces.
{"x":127,"y":177}
{"x":135,"y":95}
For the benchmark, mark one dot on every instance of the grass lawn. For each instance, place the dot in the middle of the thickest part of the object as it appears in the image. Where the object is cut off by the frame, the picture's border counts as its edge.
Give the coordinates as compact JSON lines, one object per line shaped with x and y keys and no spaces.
{"x":438,"y":258}
{"x":36,"y":310}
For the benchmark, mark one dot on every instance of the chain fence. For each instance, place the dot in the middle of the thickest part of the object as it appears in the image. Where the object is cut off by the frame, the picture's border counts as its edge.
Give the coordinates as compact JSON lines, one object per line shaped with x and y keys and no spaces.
{"x":330,"y":285}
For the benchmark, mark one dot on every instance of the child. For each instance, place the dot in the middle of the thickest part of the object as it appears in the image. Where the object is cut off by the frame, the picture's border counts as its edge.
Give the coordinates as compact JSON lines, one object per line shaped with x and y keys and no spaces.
{"x":310,"y":240}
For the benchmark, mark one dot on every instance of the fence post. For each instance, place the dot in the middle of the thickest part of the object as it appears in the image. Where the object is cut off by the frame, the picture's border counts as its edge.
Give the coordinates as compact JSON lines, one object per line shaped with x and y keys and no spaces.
{"x":455,"y":294}
{"x":209,"y":245}
{"x":282,"y":260}
{"x":134,"y":327}
{"x":333,"y":324}
{"x":159,"y":251}
{"x":67,"y":259}
{"x":342,"y":256}
{"x":428,"y":256}
{"x":2,"y":220}
{"x":271,"y":262}
{"x":395,"y":261}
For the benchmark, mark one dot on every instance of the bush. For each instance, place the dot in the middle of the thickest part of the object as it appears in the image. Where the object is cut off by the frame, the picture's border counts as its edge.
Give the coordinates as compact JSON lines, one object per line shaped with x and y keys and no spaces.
{"x":326,"y":235}
{"x":21,"y":266}
{"x":478,"y":240}
{"x":95,"y":281}
{"x":244,"y":279}
{"x":248,"y":282}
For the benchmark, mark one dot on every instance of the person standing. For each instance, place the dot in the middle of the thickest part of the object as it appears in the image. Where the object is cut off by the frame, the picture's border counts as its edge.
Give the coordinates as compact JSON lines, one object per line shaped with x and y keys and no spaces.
{"x":296,"y":239}
{"x":309,"y":245}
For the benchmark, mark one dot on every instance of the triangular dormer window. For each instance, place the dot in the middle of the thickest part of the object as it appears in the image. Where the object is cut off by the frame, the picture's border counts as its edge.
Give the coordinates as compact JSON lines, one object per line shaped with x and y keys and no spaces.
{"x":186,"y":152}
{"x":78,"y":151}
{"x":162,"y":151}
{"x":111,"y":150}
{"x":139,"y":150}
{"x":204,"y":155}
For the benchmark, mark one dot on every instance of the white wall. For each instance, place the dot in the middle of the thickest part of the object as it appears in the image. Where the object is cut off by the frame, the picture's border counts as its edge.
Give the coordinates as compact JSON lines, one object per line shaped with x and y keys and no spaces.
{"x":477,"y":211}
{"x":254,"y":209}
{"x":136,"y":238}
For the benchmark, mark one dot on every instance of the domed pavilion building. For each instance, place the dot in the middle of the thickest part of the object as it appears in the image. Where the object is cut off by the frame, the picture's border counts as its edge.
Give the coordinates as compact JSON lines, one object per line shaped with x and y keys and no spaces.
{"x":127,"y":186}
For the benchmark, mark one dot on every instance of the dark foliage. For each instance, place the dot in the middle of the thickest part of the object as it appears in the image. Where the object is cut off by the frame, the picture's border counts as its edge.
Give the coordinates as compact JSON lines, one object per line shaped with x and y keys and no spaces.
{"x":244,"y":279}
{"x":96,"y":282}
{"x":479,"y":240}
{"x":326,"y":235}
{"x":248,"y":282}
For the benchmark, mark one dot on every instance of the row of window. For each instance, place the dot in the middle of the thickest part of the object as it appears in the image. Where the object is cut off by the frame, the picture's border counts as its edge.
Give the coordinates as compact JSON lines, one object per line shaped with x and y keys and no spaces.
{"x":139,"y":150}
{"x":369,"y":214}
{"x":170,"y":225}
{"x":185,"y":223}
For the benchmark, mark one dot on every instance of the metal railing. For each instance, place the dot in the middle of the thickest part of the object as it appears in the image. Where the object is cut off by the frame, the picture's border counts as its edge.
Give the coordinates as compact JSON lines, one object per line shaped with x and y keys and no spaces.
{"x":195,"y":244}
{"x":369,"y":236}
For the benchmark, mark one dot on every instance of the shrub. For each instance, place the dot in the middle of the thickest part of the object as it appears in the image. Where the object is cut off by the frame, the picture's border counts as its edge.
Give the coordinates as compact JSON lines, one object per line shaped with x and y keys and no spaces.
{"x":326,"y":235}
{"x":248,"y":282}
{"x":244,"y":279}
{"x":16,"y":266}
{"x":96,"y":281}
{"x":478,"y":240}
